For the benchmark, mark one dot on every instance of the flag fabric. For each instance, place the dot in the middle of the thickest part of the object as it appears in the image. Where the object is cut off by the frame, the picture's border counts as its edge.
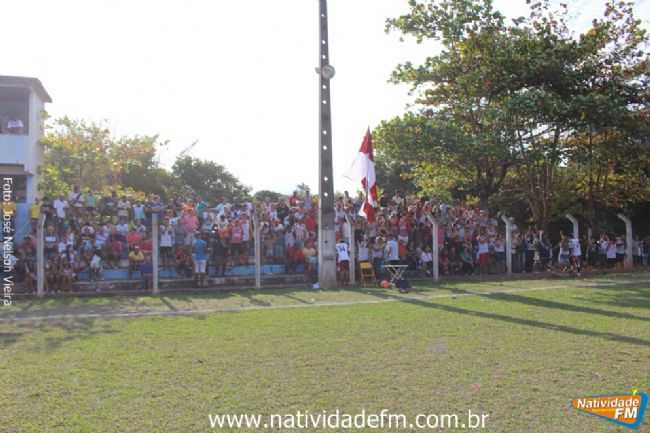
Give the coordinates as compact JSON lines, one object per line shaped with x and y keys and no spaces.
{"x":363,"y":170}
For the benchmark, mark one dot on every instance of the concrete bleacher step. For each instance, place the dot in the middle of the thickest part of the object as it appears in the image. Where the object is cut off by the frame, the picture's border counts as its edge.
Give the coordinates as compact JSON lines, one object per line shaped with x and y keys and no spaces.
{"x":170,"y":273}
{"x":179,"y":285}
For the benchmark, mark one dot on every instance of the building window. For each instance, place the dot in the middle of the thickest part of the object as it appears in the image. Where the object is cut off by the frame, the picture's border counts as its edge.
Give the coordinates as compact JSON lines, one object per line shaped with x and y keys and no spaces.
{"x":14,"y":110}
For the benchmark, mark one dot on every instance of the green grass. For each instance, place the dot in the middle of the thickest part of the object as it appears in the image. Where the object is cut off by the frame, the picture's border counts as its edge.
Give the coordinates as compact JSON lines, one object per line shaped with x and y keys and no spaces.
{"x":520,"y":356}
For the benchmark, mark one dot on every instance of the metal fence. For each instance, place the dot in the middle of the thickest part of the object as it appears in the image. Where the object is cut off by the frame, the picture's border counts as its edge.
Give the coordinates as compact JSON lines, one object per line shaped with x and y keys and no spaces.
{"x":266,"y":250}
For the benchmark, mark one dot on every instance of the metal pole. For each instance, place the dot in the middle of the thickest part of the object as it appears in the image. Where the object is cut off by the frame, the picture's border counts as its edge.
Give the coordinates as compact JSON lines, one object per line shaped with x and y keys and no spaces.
{"x":156,"y":251}
{"x":257,"y":236}
{"x":435,"y":248}
{"x":353,"y":250}
{"x":326,"y":234}
{"x":629,"y":241}
{"x":508,"y":222}
{"x":40,"y":257}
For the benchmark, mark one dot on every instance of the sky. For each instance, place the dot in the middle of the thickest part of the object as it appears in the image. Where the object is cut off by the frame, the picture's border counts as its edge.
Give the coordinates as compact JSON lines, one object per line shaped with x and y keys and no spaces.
{"x":236,"y":76}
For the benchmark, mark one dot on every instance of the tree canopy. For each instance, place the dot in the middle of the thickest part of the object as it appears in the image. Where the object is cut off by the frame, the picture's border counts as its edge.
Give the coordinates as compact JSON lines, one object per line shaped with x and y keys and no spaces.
{"x":87,"y":154}
{"x":524,"y":107}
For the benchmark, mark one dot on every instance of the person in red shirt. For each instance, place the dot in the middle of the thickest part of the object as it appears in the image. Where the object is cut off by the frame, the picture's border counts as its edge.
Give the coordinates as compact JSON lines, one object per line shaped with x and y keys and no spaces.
{"x":133,"y":238}
{"x":183,"y":262}
{"x":146,"y":246}
{"x":236,"y":239}
{"x":115,"y":250}
{"x":294,"y":199}
{"x":310,"y":222}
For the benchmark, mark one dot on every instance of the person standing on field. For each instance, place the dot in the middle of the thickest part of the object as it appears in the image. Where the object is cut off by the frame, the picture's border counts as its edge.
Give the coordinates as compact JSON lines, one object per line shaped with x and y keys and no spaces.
{"x":343,"y":260}
{"x":200,"y":257}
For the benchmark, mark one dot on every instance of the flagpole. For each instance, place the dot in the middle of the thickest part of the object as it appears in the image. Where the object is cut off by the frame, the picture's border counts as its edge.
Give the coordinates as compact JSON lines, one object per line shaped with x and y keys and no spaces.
{"x":326,"y":215}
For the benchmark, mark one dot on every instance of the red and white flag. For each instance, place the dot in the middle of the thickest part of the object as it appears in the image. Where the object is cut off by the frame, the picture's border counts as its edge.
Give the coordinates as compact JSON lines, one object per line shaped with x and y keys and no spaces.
{"x":363,"y":170}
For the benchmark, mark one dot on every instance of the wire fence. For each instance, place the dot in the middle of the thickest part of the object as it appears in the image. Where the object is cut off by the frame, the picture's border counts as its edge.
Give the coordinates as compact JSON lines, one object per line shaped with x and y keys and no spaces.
{"x":254,"y":250}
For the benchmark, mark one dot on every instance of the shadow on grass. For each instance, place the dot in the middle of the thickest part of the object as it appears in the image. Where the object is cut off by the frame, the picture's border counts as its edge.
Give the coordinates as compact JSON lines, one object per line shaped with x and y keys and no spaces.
{"x":57,"y":332}
{"x":518,"y":321}
{"x":169,"y":305}
{"x":545,"y":303}
{"x":73,"y":306}
{"x":632,"y":295}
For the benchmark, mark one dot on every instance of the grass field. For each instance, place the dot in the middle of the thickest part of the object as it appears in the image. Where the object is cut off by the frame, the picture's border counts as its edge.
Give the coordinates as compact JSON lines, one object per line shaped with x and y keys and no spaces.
{"x":518,"y":350}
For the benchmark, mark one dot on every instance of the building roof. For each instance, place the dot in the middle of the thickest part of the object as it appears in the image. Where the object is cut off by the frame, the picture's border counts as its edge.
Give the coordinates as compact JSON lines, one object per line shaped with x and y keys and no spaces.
{"x":33,"y":83}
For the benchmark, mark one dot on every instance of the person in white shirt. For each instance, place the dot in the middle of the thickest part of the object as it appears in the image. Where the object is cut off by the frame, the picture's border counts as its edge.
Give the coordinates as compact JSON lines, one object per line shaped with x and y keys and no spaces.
{"x":576,"y":255}
{"x":307,"y":199}
{"x":611,"y":254}
{"x":391,"y":250}
{"x":564,"y":254}
{"x":363,"y":251}
{"x":483,"y":254}
{"x":95,"y":266}
{"x":62,"y":247}
{"x":122,"y":228}
{"x":343,"y":260}
{"x":138,"y":211}
{"x":100,"y":238}
{"x":166,"y":246}
{"x":60,"y":205}
{"x":300,"y":232}
{"x":76,"y":200}
{"x":123,"y":207}
{"x":426,"y":258}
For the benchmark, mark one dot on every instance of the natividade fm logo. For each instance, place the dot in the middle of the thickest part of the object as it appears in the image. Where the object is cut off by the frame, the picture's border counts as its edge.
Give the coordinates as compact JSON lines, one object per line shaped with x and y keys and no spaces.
{"x":623,"y":410}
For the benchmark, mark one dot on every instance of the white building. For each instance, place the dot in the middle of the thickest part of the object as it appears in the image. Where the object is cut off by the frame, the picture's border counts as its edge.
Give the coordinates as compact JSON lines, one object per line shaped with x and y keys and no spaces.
{"x":22,"y":104}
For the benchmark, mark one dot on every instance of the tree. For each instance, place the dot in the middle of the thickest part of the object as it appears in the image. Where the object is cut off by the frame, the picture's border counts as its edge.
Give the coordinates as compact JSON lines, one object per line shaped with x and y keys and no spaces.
{"x":461,"y":124}
{"x":583,"y":98}
{"x":208,"y":179}
{"x":520,"y":105}
{"x":76,"y":154}
{"x":271,"y":196}
{"x":86,"y":154}
{"x":609,"y":144}
{"x":415,"y":156}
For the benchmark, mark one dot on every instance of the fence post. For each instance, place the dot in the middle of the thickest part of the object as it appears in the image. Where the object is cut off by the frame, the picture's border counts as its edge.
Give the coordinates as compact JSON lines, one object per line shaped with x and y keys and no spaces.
{"x":435,"y":248}
{"x":574,"y":222}
{"x":40,"y":257}
{"x":353,"y":250}
{"x":155,"y":250}
{"x":257,"y":231}
{"x":508,"y":222}
{"x":629,"y":241}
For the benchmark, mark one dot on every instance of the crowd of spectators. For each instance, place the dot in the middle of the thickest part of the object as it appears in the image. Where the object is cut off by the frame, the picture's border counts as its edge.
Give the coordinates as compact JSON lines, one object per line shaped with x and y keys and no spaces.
{"x":87,"y":234}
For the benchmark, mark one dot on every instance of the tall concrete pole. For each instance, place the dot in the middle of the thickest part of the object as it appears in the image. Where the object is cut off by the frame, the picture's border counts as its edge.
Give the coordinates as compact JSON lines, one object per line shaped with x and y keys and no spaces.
{"x":629,"y":241}
{"x":508,"y":222}
{"x":257,"y":239}
{"x":40,"y":257}
{"x":326,"y":235}
{"x":155,"y":241}
{"x":349,"y":233}
{"x":435,"y":248}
